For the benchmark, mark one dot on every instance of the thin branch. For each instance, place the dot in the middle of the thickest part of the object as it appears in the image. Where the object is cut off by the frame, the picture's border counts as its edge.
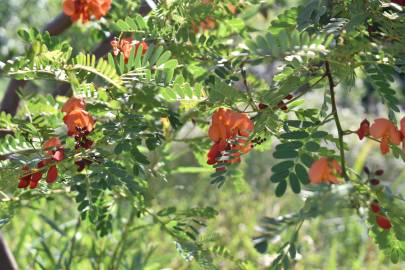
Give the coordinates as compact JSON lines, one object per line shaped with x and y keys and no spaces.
{"x":248,"y":91}
{"x":337,"y":121}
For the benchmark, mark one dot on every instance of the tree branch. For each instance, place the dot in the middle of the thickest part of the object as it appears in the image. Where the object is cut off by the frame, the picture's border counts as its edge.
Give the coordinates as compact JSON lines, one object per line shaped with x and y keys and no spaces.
{"x":337,"y":121}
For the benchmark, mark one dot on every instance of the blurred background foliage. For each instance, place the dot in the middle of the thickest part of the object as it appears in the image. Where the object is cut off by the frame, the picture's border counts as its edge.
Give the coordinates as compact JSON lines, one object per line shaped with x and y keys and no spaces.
{"x":41,"y":235}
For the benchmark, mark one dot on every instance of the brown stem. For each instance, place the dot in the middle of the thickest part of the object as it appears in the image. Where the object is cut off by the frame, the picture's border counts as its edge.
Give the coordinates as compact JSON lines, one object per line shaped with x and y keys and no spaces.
{"x":337,"y":121}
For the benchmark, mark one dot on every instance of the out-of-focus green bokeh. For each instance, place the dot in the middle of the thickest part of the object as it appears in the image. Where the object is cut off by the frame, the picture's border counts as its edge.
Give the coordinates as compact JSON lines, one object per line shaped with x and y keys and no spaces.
{"x":42,"y":233}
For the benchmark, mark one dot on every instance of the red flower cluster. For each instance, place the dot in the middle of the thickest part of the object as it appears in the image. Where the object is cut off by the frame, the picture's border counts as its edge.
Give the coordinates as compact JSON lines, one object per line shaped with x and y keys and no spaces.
{"x":80,"y":123}
{"x":225,"y":131}
{"x":325,"y":170}
{"x":84,"y":9}
{"x":381,"y":220}
{"x":384,"y":130}
{"x":55,"y":153}
{"x":125,"y":46}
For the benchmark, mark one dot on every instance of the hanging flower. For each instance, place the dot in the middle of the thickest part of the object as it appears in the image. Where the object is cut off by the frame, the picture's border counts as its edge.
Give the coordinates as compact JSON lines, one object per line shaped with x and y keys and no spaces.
{"x":383,"y":222}
{"x":225,"y":131}
{"x":325,"y":170}
{"x":84,"y":9}
{"x":125,"y":46}
{"x":74,"y":103}
{"x":386,"y":131}
{"x":364,"y":129}
{"x":25,"y":179}
{"x":78,"y":120}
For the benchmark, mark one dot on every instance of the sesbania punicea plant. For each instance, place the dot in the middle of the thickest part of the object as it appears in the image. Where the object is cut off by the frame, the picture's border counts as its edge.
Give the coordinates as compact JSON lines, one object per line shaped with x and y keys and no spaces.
{"x":190,"y":63}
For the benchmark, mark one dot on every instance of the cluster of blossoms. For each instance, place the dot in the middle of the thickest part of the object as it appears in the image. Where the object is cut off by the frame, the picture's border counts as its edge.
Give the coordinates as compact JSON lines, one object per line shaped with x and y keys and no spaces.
{"x":84,"y":9}
{"x":380,"y":218}
{"x":325,"y":170}
{"x":384,"y":130}
{"x":79,"y":124}
{"x":229,"y":130}
{"x":54,"y":154}
{"x":125,"y":46}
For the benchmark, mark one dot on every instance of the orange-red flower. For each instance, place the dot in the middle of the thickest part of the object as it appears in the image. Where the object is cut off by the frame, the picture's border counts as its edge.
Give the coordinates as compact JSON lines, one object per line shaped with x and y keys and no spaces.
{"x":325,"y":170}
{"x":77,"y":121}
{"x":385,"y":130}
{"x":225,"y":131}
{"x":52,"y":142}
{"x":76,"y":118}
{"x":74,"y":103}
{"x":364,"y":129}
{"x":125,"y":45}
{"x":84,"y":9}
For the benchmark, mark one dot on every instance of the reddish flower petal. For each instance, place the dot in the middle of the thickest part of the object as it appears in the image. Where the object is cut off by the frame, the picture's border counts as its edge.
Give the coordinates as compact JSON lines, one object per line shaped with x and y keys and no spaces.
{"x":380,"y":127}
{"x":78,"y":119}
{"x":69,"y":7}
{"x":387,"y":131}
{"x":74,"y":103}
{"x":317,"y":170}
{"x":59,"y":155}
{"x":384,"y":146}
{"x":84,"y":9}
{"x":325,"y":171}
{"x":24,"y":182}
{"x":52,"y":174}
{"x":364,"y":129}
{"x":36,"y":177}
{"x":33,"y":184}
{"x":215,"y":152}
{"x":52,"y":142}
{"x":383,"y":222}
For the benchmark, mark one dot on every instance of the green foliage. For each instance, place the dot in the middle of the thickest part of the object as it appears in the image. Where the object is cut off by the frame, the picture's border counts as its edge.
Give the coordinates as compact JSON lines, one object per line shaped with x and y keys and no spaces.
{"x":143,"y":194}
